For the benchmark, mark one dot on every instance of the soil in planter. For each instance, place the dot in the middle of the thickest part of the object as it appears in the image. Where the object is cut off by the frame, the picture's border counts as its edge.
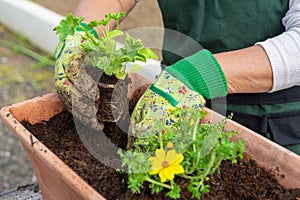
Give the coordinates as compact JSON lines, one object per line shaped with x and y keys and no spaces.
{"x":244,"y":180}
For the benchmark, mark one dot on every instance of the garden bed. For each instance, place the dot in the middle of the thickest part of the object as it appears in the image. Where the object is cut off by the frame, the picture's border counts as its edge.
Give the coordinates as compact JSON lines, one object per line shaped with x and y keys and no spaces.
{"x":244,"y":180}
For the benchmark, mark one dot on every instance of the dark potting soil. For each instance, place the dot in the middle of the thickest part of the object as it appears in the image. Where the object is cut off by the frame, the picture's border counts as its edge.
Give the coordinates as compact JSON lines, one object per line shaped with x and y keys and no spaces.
{"x":244,"y":180}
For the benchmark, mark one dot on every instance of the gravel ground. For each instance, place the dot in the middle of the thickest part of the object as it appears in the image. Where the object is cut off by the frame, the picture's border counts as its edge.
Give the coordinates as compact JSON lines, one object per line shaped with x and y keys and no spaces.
{"x":22,"y":77}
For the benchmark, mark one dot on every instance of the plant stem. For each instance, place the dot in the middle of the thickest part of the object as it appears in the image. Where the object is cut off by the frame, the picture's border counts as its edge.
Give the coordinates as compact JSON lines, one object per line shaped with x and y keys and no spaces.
{"x":194,"y":135}
{"x":211,"y":162}
{"x":208,"y":169}
{"x":88,"y":35}
{"x":194,"y":139}
{"x":117,"y":24}
{"x":158,"y":183}
{"x":44,"y":60}
{"x":217,"y":165}
{"x":101,"y":29}
{"x":161,"y":143}
{"x":188,"y":177}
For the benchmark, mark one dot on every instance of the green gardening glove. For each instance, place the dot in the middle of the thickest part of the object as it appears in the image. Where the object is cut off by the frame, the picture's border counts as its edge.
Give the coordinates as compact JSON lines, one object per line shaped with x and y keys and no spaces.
{"x":184,"y":84}
{"x":74,"y":85}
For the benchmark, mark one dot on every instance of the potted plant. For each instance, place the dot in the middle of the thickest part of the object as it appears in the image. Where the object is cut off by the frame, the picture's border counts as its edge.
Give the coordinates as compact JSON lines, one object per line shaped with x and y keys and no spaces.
{"x":99,"y":71}
{"x":192,"y":151}
{"x":57,"y":180}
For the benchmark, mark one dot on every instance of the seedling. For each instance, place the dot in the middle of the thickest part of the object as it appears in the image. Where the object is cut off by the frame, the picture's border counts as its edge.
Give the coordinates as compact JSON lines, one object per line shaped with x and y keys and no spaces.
{"x":103,"y":50}
{"x":192,"y":151}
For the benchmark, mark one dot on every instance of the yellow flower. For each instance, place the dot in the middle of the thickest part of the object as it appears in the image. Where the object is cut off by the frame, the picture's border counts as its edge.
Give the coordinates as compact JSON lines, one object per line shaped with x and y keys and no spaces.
{"x":166,"y":164}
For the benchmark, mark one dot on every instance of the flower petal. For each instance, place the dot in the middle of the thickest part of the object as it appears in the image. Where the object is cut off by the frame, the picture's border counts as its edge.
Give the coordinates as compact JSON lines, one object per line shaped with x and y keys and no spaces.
{"x":155,"y":163}
{"x":168,"y":172}
{"x":160,"y":154}
{"x":177,"y":169}
{"x":171,"y":156}
{"x":179,"y":159}
{"x":163,"y":178}
{"x":152,"y":172}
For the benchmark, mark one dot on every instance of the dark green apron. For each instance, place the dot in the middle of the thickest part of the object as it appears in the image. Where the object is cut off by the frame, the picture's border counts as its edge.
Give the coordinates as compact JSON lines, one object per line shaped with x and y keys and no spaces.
{"x":224,"y":25}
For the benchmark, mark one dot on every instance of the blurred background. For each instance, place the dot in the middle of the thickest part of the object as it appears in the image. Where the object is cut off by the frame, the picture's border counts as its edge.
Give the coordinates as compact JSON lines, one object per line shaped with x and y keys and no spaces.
{"x":27,"y":72}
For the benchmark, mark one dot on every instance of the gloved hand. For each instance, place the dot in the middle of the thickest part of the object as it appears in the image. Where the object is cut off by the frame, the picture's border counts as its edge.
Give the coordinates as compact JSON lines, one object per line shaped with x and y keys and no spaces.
{"x":184,"y":84}
{"x":75,"y":86}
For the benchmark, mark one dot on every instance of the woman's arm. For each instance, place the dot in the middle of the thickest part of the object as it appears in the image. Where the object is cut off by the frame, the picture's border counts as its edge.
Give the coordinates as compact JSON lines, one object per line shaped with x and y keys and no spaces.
{"x":270,"y":65}
{"x":246,"y":70}
{"x":97,"y":9}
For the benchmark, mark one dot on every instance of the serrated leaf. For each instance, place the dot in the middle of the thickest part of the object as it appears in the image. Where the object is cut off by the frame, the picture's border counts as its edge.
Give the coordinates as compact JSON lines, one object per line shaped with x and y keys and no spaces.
{"x":140,"y":58}
{"x":113,"y":34}
{"x":103,"y":62}
{"x":125,"y":58}
{"x":135,"y":182}
{"x":131,"y":44}
{"x":116,"y":16}
{"x":110,"y":45}
{"x":104,"y":22}
{"x":155,"y":189}
{"x":92,"y":24}
{"x":67,"y":26}
{"x":148,"y":53}
{"x":175,"y":192}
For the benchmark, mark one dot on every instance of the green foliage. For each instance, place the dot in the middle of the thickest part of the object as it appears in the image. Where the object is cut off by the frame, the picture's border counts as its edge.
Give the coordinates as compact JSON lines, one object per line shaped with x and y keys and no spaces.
{"x":174,"y":193}
{"x":67,"y":26}
{"x":203,"y":145}
{"x":135,"y":182}
{"x":102,"y":52}
{"x":155,"y":188}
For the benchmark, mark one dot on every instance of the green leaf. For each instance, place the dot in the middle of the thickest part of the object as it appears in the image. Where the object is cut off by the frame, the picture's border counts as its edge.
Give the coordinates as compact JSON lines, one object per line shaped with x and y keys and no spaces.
{"x":67,"y":26}
{"x":125,"y":58}
{"x":110,"y":46}
{"x":113,"y":34}
{"x":109,"y":70}
{"x":102,"y":62}
{"x":135,"y":182}
{"x":175,"y":192}
{"x":121,"y":75}
{"x":193,"y":188}
{"x":89,"y":45}
{"x":116,"y":16}
{"x":104,"y":22}
{"x":205,"y":188}
{"x":140,"y":58}
{"x":132,"y":45}
{"x":155,"y":189}
{"x":148,"y":53}
{"x":119,"y":15}
{"x":92,"y":24}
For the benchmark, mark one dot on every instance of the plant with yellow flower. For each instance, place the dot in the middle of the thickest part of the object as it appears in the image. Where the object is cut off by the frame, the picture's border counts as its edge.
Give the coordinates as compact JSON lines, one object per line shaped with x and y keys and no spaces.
{"x":193,"y":151}
{"x":166,"y":164}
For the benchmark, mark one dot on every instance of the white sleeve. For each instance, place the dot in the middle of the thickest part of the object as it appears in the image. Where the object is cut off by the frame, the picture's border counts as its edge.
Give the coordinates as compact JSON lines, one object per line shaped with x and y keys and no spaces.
{"x":284,"y":50}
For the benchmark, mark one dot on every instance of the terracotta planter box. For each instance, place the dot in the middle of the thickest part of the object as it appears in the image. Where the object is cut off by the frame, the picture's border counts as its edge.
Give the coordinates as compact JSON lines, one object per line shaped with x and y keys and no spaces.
{"x":58,"y":181}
